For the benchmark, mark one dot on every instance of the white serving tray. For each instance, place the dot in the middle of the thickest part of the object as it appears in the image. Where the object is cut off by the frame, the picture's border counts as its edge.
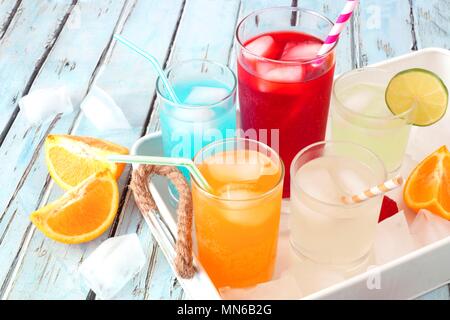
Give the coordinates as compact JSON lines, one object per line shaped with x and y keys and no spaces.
{"x":407,"y":277}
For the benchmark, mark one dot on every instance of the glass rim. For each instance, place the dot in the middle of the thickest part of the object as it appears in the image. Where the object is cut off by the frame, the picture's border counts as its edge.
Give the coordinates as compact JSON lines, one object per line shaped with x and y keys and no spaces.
{"x":285,"y":62}
{"x":237,"y":139}
{"x":324,"y":143}
{"x":342,"y":105}
{"x":202,"y":106}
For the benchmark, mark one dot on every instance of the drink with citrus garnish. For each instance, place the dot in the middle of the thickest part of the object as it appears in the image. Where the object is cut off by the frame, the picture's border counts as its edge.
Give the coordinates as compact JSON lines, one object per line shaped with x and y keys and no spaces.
{"x":283,"y":83}
{"x":360,"y":114}
{"x":237,"y":221}
{"x":374,"y":108}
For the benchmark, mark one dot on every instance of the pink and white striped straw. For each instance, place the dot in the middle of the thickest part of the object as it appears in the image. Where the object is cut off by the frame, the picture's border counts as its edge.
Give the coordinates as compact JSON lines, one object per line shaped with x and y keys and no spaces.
{"x":333,"y":36}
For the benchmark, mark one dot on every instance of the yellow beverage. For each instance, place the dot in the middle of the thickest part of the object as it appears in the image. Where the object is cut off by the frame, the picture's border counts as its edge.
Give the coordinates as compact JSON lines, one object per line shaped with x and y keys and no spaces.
{"x":237,"y":223}
{"x":360,"y":115}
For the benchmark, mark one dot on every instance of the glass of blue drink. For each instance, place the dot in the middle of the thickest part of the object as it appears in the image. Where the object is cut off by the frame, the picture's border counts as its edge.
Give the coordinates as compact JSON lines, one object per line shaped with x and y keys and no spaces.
{"x":206,"y":112}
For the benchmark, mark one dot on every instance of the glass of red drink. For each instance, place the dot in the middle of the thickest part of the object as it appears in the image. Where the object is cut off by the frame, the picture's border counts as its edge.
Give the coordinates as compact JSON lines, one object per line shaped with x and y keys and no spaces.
{"x":283,"y":83}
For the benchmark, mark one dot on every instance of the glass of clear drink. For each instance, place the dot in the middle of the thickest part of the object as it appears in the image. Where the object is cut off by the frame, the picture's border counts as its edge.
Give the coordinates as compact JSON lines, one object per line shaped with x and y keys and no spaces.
{"x":360,"y":114}
{"x":323,"y":228}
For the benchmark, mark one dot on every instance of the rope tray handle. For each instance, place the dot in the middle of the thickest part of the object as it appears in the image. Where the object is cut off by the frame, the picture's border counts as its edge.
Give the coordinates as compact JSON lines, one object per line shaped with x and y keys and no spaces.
{"x":145,"y":202}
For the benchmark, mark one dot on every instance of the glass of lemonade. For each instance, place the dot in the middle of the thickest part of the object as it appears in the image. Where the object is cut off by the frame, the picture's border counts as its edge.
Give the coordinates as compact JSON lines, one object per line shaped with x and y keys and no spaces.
{"x":207,"y":112}
{"x":360,"y":114}
{"x":283,"y":83}
{"x":237,"y":222}
{"x":323,"y":228}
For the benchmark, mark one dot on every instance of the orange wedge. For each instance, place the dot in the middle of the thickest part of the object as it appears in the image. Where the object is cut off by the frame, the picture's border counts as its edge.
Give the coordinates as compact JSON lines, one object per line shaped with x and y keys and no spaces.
{"x":428,"y":186}
{"x":83,"y":213}
{"x":71,"y":159}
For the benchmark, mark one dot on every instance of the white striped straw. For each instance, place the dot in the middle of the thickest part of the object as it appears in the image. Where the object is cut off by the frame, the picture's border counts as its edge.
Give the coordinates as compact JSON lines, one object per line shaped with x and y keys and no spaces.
{"x":386,"y":186}
{"x":165,"y":161}
{"x":333,"y":36}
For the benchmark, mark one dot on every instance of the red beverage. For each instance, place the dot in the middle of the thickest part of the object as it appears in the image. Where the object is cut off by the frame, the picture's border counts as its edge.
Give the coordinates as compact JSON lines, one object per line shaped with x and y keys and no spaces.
{"x":284,"y":85}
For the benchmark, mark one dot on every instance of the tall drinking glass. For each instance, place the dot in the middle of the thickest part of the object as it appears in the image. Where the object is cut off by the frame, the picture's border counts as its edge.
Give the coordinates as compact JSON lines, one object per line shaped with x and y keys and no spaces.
{"x":237,"y":222}
{"x":207,"y":112}
{"x":283,"y":83}
{"x":360,"y":114}
{"x":323,"y":228}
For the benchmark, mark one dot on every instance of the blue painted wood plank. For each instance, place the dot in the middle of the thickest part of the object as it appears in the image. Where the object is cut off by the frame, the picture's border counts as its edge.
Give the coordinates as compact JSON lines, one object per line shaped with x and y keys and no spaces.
{"x":442,"y":293}
{"x":121,"y":66}
{"x":49,"y":269}
{"x":69,"y":64}
{"x":8,"y":9}
{"x":247,"y":7}
{"x":205,"y":30}
{"x":432,"y":23}
{"x":127,"y":66}
{"x":382,"y":30}
{"x":22,"y":48}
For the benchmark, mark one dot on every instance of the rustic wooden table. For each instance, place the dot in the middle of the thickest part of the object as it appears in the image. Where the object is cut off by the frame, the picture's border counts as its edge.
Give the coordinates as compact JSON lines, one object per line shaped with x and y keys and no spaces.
{"x":66,"y":42}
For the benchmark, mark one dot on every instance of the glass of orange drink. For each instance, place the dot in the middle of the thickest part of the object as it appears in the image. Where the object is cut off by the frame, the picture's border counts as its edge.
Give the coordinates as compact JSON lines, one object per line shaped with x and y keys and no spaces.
{"x":237,"y":220}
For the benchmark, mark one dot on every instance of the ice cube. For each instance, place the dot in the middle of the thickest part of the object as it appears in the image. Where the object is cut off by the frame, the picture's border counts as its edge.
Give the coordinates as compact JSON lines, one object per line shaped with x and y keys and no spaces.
{"x":348,"y":181}
{"x":300,"y":51}
{"x":283,"y":288}
{"x":325,"y":190}
{"x":227,"y":170}
{"x":44,"y":104}
{"x":238,"y":211}
{"x":268,"y":167}
{"x":279,"y":73}
{"x":364,"y":98}
{"x":392,"y":239}
{"x":194,"y":114}
{"x":102,"y":111}
{"x":236,"y":191}
{"x":113,"y":264}
{"x":202,"y":95}
{"x":262,"y":46}
{"x":428,"y":228}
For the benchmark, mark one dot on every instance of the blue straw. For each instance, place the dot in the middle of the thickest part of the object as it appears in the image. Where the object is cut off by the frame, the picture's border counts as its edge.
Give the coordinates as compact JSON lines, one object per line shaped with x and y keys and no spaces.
{"x":154,"y":63}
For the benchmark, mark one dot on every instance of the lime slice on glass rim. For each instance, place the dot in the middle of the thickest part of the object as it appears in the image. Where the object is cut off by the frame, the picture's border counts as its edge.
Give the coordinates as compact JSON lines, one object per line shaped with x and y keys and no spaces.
{"x":420,"y":89}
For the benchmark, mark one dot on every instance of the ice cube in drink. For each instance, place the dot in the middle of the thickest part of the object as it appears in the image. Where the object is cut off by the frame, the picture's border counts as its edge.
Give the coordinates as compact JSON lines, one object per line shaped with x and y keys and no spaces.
{"x":360,"y":115}
{"x":237,"y":225}
{"x":204,"y":95}
{"x":300,"y":51}
{"x":262,"y":46}
{"x":282,"y":86}
{"x":324,"y":229}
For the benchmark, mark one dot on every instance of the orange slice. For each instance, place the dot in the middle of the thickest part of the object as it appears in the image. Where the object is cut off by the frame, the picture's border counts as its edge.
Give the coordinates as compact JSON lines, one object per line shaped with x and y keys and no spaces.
{"x":71,"y":159}
{"x":428,"y":186}
{"x":83,"y":213}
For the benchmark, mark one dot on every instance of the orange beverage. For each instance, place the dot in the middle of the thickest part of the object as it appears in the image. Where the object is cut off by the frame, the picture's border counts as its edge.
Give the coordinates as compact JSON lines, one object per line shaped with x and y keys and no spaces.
{"x":237,"y":222}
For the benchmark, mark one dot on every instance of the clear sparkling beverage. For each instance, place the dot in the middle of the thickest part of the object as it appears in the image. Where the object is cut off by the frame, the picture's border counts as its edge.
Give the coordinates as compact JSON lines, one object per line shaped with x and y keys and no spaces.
{"x":323,"y":228}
